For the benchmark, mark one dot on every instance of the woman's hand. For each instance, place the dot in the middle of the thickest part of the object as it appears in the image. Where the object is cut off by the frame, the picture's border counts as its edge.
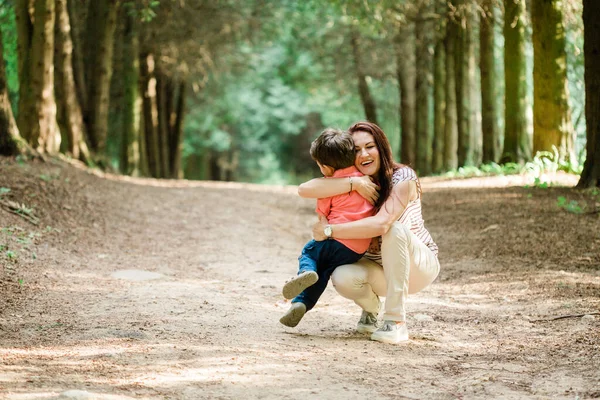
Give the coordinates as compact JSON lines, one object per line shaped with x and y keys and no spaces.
{"x":366,"y":188}
{"x":318,"y":229}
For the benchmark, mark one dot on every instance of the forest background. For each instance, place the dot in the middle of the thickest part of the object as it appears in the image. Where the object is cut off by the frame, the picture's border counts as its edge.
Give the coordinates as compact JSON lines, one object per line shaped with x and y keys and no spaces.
{"x":228,"y":90}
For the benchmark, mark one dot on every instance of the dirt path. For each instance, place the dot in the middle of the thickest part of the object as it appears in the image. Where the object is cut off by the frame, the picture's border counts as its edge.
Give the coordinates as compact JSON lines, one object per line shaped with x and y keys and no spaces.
{"x":147,"y":289}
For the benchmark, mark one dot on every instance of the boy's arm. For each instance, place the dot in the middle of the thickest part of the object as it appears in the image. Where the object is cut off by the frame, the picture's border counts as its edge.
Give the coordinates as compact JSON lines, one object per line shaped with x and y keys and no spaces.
{"x":327,"y":187}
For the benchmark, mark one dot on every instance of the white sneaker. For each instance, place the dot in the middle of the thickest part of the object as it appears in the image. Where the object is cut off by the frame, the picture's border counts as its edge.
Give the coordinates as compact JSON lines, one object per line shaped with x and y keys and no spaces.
{"x":293,"y":316}
{"x":367,"y":323}
{"x":391,"y":332}
{"x":298,"y":283}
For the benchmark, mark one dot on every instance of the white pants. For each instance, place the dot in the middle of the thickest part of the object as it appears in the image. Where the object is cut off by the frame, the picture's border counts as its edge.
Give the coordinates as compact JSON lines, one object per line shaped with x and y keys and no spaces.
{"x":408,"y":267}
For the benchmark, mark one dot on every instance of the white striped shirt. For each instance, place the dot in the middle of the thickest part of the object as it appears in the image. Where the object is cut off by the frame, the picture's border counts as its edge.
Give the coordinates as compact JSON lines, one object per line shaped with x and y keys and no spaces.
{"x":412,"y":215}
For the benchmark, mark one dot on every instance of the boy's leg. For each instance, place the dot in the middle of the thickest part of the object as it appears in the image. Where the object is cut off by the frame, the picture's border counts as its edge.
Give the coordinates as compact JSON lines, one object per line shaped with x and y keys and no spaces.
{"x":332,"y":255}
{"x":307,"y":268}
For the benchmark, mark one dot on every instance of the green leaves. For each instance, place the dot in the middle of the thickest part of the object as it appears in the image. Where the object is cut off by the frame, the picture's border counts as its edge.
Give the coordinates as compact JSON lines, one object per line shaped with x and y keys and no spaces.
{"x":571,"y":206}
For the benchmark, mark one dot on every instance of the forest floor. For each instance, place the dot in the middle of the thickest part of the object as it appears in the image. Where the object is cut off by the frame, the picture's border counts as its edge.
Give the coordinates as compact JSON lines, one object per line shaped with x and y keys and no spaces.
{"x":146,"y":289}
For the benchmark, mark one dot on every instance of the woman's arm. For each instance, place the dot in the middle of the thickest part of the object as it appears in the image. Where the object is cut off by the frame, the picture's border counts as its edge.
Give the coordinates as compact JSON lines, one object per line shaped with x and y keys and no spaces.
{"x":320,"y":188}
{"x":377,"y":225}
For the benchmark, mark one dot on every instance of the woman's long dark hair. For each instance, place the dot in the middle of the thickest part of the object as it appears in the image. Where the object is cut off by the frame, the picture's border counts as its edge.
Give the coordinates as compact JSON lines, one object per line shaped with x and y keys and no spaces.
{"x":387,"y":165}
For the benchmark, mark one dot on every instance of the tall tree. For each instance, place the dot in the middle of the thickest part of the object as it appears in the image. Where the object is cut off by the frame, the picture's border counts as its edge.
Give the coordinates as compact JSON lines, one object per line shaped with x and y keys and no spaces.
{"x":439,"y":89}
{"x":37,"y":107}
{"x":424,"y":37}
{"x":487,"y":65}
{"x":406,"y":71}
{"x":69,"y":114}
{"x":129,"y":158}
{"x":101,"y":25}
{"x":552,"y":125}
{"x":451,"y":118}
{"x":465,"y":75}
{"x":361,"y":76}
{"x":590,"y":176}
{"x":516,"y":140}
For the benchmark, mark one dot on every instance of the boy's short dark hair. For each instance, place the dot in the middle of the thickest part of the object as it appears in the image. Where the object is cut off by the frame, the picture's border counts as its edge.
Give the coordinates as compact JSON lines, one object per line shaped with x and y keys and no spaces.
{"x":334,"y":148}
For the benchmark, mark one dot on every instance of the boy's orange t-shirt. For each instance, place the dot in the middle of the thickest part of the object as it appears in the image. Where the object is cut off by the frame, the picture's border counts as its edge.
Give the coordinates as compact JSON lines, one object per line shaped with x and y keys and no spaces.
{"x":347,"y":207}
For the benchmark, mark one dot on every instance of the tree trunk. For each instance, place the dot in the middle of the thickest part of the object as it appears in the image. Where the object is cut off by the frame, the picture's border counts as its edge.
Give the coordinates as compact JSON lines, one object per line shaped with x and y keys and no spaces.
{"x":130,"y":145}
{"x":69,"y":115}
{"x":423,"y":34}
{"x":516,"y":141}
{"x":11,"y":142}
{"x":405,"y":68}
{"x":451,"y":119}
{"x":26,"y":114}
{"x":37,"y":108}
{"x":102,"y":22}
{"x":43,"y":136}
{"x":590,"y":176}
{"x":439,"y":94}
{"x":150,"y":115}
{"x":77,"y":56}
{"x":163,"y":94}
{"x":552,"y":125}
{"x":363,"y":86}
{"x":487,"y":61}
{"x":464,"y":64}
{"x":176,"y":148}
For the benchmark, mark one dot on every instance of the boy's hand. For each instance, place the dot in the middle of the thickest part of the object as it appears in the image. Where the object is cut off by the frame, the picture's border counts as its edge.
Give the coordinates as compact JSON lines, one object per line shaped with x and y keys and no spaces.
{"x":318,"y":229}
{"x":365,"y":186}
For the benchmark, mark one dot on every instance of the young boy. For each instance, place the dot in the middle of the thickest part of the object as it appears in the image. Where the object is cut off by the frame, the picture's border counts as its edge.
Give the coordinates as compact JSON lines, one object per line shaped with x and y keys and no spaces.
{"x":334,"y":152}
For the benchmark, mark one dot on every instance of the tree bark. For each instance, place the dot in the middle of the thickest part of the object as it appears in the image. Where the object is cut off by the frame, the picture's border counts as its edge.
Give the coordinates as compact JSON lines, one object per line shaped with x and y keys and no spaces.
{"x":405,"y":68}
{"x":177,"y":132}
{"x":163,"y":94}
{"x":363,"y":86}
{"x":487,"y":65}
{"x":464,"y":64}
{"x":26,"y":112}
{"x":424,"y":132}
{"x":517,"y":146}
{"x":37,"y":108}
{"x":150,"y":114}
{"x":69,"y":115}
{"x":439,"y":93}
{"x":590,"y":176}
{"x":130,"y":144}
{"x":43,"y":135}
{"x":552,"y":125}
{"x":102,"y":22}
{"x":451,"y":119}
{"x":77,"y":56}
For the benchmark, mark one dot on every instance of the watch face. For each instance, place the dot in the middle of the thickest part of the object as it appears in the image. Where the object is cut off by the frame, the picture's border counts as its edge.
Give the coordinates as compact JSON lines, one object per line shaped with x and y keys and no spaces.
{"x":327,"y":231}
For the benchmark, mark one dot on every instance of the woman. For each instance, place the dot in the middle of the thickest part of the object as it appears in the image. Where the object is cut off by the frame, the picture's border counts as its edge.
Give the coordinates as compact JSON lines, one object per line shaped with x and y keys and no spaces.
{"x":402,"y":258}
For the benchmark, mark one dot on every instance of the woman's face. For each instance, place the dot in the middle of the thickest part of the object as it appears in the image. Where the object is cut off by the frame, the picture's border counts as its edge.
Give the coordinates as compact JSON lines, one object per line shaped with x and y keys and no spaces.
{"x":367,"y":154}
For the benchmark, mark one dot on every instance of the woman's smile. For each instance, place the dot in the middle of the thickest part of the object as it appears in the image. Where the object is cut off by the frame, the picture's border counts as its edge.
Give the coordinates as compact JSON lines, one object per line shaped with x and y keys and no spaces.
{"x":367,"y":154}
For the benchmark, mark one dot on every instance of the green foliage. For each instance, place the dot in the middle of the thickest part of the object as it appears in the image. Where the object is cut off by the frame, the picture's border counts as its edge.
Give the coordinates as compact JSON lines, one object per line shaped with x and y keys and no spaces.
{"x":572,"y":206}
{"x":4,"y":190}
{"x":9,"y":35}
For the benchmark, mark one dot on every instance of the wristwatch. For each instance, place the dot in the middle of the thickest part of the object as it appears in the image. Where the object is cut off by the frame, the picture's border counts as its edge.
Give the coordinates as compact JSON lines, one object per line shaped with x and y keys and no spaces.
{"x":327,"y":231}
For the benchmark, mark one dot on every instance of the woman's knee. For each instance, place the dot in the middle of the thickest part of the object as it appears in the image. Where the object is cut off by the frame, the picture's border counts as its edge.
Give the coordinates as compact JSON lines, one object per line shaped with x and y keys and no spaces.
{"x":398,"y":231}
{"x":348,"y":278}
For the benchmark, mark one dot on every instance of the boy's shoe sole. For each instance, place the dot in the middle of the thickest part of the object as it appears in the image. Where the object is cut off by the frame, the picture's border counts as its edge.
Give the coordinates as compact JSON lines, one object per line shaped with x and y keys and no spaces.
{"x":297,"y":284}
{"x":293,"y":316}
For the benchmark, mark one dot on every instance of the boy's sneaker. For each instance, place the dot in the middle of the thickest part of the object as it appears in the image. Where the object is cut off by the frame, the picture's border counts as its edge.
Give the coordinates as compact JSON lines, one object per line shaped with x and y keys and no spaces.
{"x":391,"y":332}
{"x":298,"y":283}
{"x":367,"y":323}
{"x":293,"y":315}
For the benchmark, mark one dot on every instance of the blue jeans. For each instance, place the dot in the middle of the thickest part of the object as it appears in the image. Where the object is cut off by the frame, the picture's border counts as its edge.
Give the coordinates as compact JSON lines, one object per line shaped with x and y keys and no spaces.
{"x":323,"y":258}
